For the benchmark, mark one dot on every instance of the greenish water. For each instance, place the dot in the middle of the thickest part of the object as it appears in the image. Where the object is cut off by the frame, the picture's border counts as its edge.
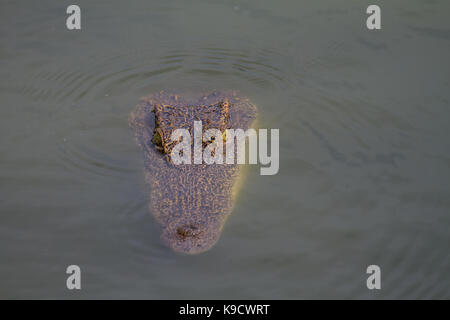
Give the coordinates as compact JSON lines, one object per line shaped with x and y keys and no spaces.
{"x":364,"y":123}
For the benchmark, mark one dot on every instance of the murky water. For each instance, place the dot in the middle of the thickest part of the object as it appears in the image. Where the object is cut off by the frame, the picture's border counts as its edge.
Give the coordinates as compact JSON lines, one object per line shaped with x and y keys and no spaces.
{"x":364,"y":122}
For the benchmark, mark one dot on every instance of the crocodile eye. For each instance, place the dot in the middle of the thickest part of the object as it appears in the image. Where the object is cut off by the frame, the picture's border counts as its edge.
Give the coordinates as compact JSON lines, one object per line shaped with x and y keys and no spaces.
{"x":157,"y":138}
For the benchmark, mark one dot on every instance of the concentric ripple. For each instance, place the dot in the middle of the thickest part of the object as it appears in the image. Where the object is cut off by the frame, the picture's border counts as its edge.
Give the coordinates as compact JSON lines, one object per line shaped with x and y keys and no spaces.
{"x":92,"y":95}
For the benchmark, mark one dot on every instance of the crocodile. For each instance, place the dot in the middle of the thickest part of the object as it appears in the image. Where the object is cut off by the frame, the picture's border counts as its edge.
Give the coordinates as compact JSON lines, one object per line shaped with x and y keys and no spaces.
{"x":190,"y":201}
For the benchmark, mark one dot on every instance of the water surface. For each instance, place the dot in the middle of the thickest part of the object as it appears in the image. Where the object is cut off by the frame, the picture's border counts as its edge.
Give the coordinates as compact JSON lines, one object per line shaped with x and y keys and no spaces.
{"x":364,"y":122}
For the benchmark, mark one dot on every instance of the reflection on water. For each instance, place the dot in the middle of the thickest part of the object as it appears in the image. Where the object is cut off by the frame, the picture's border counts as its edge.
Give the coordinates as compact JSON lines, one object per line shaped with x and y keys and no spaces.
{"x":364,"y":169}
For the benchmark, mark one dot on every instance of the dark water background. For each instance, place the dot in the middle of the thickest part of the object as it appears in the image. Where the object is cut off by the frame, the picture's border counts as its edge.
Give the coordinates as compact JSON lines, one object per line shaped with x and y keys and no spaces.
{"x":364,"y":119}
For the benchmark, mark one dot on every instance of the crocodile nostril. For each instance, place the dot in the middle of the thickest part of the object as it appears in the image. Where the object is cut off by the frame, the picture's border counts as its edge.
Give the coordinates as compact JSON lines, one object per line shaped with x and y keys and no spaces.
{"x":186,"y":231}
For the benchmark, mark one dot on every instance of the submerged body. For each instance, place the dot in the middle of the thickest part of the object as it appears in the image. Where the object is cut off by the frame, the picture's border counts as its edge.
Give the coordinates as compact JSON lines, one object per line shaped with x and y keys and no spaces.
{"x":190,"y":201}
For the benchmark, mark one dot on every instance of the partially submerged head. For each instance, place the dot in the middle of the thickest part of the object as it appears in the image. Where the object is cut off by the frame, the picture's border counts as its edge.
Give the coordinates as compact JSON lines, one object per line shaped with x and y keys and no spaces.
{"x":190,"y":201}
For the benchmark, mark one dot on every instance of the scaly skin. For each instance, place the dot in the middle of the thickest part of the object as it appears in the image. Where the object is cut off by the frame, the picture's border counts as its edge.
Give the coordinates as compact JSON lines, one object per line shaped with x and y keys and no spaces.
{"x":190,"y":201}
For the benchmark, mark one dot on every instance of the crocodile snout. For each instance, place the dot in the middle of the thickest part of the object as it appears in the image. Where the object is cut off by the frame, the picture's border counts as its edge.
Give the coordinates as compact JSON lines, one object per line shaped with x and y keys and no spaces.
{"x":189,"y":230}
{"x":192,"y":236}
